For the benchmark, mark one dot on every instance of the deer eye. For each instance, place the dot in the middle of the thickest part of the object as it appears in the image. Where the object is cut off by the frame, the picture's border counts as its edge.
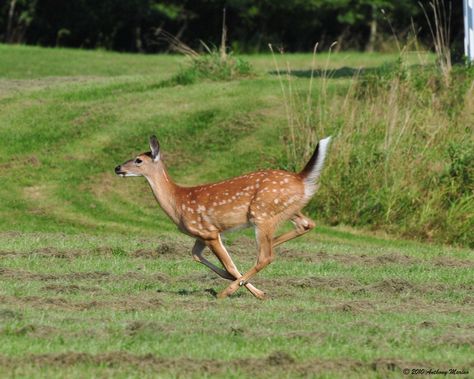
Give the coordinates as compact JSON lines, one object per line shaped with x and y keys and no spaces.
{"x":138,"y":161}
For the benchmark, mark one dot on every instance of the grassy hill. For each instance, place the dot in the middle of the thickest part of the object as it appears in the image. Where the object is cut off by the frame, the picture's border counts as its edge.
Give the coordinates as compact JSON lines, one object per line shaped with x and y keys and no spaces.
{"x":96,"y":282}
{"x":69,"y":117}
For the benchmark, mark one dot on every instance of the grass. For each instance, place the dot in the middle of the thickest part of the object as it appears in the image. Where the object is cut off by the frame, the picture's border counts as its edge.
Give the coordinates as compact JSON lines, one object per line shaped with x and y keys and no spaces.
{"x":96,"y":281}
{"x":341,"y":306}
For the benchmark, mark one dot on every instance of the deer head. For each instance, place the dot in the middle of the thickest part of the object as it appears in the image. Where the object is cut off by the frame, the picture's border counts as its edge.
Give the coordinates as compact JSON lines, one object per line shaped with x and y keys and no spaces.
{"x":143,"y":164}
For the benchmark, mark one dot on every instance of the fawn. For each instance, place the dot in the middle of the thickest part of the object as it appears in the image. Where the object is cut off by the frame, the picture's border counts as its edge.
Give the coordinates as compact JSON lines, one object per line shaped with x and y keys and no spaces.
{"x":262,"y":199}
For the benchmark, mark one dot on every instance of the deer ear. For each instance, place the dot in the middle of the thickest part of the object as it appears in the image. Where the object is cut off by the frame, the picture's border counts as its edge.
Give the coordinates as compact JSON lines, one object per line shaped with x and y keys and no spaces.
{"x":155,"y":148}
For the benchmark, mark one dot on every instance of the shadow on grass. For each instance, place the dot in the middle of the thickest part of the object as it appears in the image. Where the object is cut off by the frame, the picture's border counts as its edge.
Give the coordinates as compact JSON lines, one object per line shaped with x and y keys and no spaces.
{"x":342,"y":72}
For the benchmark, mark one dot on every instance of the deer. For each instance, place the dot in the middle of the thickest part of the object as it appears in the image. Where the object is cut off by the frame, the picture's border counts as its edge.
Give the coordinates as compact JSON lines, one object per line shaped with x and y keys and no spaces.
{"x":261,"y":199}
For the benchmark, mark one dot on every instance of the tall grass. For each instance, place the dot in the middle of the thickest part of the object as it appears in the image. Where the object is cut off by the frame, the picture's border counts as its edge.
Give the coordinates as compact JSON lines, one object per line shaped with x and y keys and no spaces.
{"x":440,"y":28}
{"x":403,"y":156}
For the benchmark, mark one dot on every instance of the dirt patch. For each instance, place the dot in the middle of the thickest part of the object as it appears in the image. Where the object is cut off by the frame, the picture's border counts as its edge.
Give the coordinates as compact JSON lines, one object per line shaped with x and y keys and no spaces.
{"x":243,"y":247}
{"x":4,"y":253}
{"x":70,"y":288}
{"x":453,"y":262}
{"x":46,"y":252}
{"x":31,"y":161}
{"x":324,"y":283}
{"x":204,"y":277}
{"x":121,"y":304}
{"x":392,"y":258}
{"x":143,"y":327}
{"x":92,"y":275}
{"x":398,"y":286}
{"x":395,"y":286}
{"x":167,"y":250}
{"x":49,"y":252}
{"x":154,"y":253}
{"x":208,"y":292}
{"x":354,"y":307}
{"x":8,"y":314}
{"x":152,"y":278}
{"x":99,"y":276}
{"x":31,"y":330}
{"x":271,"y":366}
{"x":280,"y":358}
{"x":392,"y":286}
{"x":25,"y":275}
{"x":427,"y":324}
{"x":458,"y":340}
{"x":349,"y":259}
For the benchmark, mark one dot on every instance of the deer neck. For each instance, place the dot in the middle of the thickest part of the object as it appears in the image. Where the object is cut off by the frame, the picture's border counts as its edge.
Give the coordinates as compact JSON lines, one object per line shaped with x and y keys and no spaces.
{"x":165,"y":191}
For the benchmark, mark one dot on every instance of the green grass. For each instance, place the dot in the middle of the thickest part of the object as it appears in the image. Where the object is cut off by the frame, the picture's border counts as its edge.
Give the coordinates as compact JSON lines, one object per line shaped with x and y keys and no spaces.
{"x":340,"y":306}
{"x":96,"y":282}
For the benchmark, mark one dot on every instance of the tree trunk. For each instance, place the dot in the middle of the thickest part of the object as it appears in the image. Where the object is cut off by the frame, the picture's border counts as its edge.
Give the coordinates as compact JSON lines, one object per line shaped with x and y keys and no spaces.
{"x":11,"y":13}
{"x":223,"y":37}
{"x":373,"y":31}
{"x":138,"y":39}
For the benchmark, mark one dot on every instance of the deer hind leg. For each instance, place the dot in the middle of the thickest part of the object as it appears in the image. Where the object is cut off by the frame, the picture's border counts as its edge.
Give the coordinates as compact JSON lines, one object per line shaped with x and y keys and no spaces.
{"x":302,"y":224}
{"x":222,"y":254}
{"x":265,"y":257}
{"x":198,"y":248}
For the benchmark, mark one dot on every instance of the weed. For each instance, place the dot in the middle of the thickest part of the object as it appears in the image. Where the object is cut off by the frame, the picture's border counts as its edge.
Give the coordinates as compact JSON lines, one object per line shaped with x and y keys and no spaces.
{"x":213,"y":64}
{"x":440,"y":28}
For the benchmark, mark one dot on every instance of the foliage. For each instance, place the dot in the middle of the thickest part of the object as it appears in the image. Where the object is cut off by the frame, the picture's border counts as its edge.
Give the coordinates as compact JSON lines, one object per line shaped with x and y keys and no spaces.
{"x":404,"y":151}
{"x":131,"y":25}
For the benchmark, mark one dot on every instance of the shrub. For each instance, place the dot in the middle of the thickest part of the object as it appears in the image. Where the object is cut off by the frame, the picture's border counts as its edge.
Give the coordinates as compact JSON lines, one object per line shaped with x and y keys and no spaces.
{"x":212,"y":66}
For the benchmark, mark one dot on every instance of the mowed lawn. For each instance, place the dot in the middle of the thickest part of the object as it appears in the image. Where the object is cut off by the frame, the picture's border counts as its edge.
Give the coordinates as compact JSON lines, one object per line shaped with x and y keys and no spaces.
{"x":96,"y":282}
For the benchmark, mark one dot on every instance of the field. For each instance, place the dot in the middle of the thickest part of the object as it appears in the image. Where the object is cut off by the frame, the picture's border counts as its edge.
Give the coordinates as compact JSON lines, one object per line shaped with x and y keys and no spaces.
{"x":96,"y":282}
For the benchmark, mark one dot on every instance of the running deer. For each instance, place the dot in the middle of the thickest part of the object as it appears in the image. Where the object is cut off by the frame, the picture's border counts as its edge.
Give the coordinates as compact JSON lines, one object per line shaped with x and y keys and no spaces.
{"x":262,"y":199}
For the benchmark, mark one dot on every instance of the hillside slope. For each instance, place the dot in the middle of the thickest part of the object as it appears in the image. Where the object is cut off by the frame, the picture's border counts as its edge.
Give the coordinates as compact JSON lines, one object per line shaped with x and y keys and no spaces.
{"x":68,"y":117}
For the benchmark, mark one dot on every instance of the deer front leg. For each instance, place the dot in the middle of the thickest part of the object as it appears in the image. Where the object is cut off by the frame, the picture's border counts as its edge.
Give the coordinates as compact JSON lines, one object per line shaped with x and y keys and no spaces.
{"x":302,"y":224}
{"x":222,"y":254}
{"x":265,"y":257}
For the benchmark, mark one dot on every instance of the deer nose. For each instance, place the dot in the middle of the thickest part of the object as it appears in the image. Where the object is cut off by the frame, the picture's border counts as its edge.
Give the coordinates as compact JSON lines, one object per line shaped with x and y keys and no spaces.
{"x":118,"y":169}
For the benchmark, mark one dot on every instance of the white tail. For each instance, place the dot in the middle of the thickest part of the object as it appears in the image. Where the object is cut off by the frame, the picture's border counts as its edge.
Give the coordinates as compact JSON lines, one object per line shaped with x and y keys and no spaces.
{"x":263,"y":199}
{"x":314,"y":167}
